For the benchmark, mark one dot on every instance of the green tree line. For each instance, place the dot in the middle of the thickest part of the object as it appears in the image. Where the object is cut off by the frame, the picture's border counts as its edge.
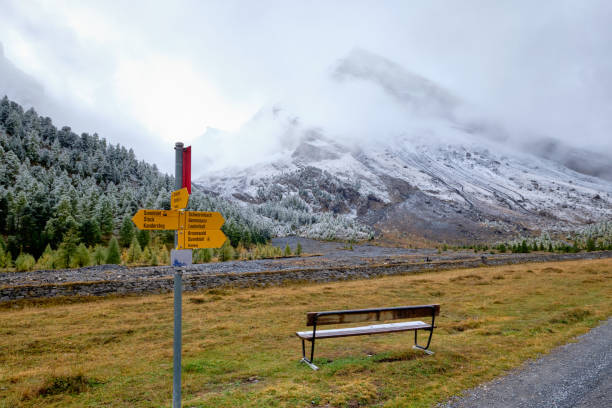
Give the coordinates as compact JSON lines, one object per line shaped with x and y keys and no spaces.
{"x":60,"y":191}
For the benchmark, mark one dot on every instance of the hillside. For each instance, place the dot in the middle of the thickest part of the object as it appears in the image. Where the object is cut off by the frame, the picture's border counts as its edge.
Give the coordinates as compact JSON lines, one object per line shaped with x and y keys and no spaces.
{"x":53,"y":182}
{"x":433,"y":170}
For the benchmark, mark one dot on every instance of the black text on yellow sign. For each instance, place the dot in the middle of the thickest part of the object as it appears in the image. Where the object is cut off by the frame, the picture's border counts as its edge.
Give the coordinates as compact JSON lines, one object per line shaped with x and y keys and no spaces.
{"x":179,"y":199}
{"x":196,"y":229}
{"x":203,"y":220}
{"x":174,"y":220}
{"x":192,"y":239}
{"x":156,"y":219}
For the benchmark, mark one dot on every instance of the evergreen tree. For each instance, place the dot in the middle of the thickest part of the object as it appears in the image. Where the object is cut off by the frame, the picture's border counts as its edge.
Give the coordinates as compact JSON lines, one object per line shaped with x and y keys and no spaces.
{"x":575,"y":247}
{"x":590,"y":244}
{"x":89,"y":232}
{"x":164,"y":256}
{"x":8,"y":260}
{"x":12,"y":245}
{"x":134,"y":251}
{"x":146,"y":255}
{"x":46,"y":259}
{"x":287,"y":250}
{"x":105,"y":216}
{"x":53,"y":180}
{"x":68,"y":248}
{"x":154,"y":259}
{"x":99,"y":257}
{"x":126,"y":233}
{"x":298,"y":249}
{"x":113,"y":256}
{"x":2,"y":257}
{"x":61,"y":222}
{"x":81,"y":257}
{"x":143,"y":238}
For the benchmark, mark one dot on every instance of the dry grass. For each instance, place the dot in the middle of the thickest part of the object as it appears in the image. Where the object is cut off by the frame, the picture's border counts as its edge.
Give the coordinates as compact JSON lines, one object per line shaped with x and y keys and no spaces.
{"x":240,"y":348}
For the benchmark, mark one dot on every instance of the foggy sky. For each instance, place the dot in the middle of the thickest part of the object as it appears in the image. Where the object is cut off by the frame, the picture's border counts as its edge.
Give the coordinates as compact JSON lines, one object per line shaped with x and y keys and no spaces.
{"x":147,"y":74}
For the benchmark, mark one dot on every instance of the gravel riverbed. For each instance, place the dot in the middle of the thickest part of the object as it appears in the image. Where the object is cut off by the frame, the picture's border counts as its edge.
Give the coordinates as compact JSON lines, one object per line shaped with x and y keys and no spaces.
{"x":324,"y":261}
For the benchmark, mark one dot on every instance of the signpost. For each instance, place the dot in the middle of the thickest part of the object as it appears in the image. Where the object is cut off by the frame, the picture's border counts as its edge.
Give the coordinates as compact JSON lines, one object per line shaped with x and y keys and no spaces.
{"x":156,"y":219}
{"x":179,"y":199}
{"x":194,"y":229}
{"x":204,"y":220}
{"x":191,"y":239}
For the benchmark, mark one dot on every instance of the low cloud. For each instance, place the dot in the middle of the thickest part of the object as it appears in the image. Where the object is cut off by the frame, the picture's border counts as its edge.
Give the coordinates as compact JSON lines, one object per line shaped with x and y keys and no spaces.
{"x":149,"y":73}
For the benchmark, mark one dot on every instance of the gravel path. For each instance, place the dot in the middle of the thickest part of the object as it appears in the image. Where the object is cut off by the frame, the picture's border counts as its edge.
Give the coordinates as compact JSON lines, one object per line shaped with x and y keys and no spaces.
{"x":575,"y":375}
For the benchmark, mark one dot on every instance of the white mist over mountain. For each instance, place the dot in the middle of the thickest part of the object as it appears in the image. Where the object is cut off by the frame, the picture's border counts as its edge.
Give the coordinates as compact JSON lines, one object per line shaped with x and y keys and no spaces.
{"x":361,"y":99}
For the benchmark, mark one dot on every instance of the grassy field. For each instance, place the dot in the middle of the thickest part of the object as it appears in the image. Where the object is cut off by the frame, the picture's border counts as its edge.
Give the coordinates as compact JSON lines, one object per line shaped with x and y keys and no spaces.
{"x":240,"y":348}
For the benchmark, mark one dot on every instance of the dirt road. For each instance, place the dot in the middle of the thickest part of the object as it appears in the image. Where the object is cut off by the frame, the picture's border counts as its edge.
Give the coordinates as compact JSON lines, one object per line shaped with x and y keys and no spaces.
{"x":575,"y":375}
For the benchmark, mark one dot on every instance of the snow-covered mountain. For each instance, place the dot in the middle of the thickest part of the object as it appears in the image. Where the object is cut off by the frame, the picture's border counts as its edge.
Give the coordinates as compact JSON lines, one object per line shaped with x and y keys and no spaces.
{"x":434,"y":169}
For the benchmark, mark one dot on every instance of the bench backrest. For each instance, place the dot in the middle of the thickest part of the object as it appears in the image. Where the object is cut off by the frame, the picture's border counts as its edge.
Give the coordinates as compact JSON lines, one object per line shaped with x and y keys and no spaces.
{"x":369,"y":315}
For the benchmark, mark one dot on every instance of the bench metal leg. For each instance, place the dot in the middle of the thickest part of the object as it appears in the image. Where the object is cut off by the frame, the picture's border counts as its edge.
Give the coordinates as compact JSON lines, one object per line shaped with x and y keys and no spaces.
{"x":304,"y":359}
{"x":425,"y":349}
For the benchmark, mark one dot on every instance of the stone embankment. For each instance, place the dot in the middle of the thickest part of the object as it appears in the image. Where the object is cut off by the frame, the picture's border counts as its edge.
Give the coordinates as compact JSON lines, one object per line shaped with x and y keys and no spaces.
{"x":112,"y":279}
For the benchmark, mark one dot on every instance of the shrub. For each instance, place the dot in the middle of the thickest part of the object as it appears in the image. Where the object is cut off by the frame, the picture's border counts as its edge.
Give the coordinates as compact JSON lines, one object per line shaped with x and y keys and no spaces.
{"x":227,"y":252}
{"x":81,"y":257}
{"x":2,"y":256}
{"x":73,"y":384}
{"x":99,"y":256}
{"x":590,"y":245}
{"x":25,"y":262}
{"x":154,"y":260}
{"x":47,"y":259}
{"x":202,"y":255}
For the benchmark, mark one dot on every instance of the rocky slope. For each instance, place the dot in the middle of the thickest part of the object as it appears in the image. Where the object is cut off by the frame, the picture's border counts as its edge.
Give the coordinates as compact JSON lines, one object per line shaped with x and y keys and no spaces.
{"x":433,"y":170}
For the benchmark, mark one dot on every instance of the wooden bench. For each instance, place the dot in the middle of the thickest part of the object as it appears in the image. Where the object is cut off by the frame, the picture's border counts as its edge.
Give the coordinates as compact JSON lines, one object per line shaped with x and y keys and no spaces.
{"x":315,"y":319}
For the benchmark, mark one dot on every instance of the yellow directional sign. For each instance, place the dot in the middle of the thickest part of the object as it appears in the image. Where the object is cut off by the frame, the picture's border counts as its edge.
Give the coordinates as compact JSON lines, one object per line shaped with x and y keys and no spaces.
{"x":179,"y":199}
{"x":203,"y":220}
{"x":156,"y":219}
{"x":189,"y":239}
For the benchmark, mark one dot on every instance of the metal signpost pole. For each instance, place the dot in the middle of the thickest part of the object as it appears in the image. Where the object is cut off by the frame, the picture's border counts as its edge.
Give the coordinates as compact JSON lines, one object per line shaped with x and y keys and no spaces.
{"x":178,"y":293}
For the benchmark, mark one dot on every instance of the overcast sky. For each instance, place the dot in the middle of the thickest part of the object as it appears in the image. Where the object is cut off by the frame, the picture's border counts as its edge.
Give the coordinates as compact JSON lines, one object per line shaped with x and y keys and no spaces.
{"x":147,"y":73}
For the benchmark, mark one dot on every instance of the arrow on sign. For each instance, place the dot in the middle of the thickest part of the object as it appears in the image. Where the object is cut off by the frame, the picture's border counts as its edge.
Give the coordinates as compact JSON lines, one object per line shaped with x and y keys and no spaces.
{"x":156,"y":219}
{"x":190,"y":239}
{"x":179,"y":199}
{"x":203,"y":220}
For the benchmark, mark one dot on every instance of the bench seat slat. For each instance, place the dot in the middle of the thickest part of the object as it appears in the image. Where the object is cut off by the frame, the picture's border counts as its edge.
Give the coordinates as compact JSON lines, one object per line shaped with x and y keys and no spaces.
{"x":369,"y":315}
{"x":364,"y":330}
